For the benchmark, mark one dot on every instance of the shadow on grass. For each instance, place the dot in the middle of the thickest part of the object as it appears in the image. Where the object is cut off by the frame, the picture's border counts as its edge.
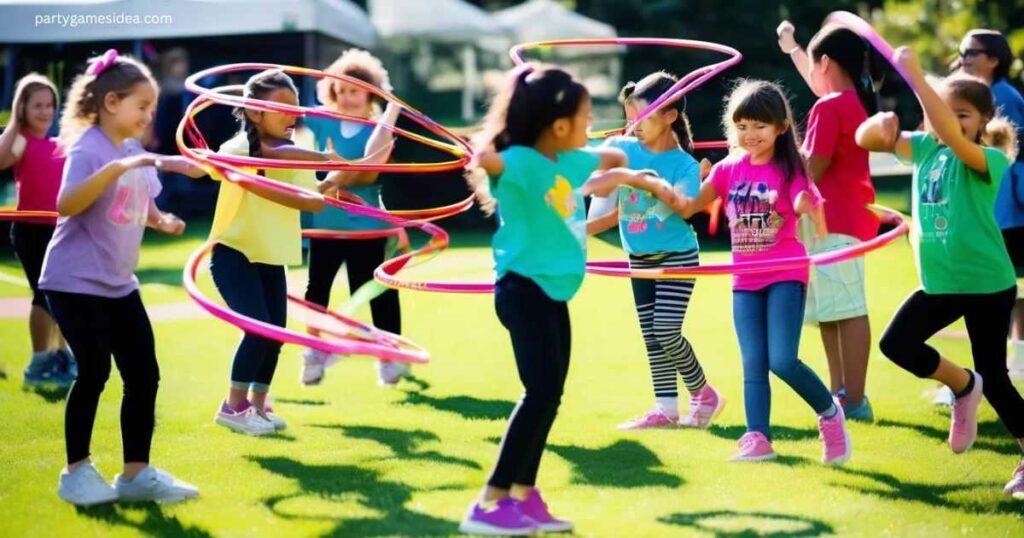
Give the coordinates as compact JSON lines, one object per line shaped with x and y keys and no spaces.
{"x":465,"y":406}
{"x":893,"y":488}
{"x":159,"y":275}
{"x":153,"y":523}
{"x":716,"y":523}
{"x":334,"y":483}
{"x":292,"y":401}
{"x":783,"y":433}
{"x":622,"y":464}
{"x":404,"y":444}
{"x":992,"y":436}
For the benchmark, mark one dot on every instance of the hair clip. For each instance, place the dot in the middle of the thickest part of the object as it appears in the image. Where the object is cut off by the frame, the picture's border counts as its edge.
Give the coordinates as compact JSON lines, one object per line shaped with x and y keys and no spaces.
{"x":108,"y":59}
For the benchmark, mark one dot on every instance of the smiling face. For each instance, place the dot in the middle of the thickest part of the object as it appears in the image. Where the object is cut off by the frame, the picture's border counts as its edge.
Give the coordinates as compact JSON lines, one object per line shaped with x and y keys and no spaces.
{"x":275,"y":125}
{"x":131,"y":114}
{"x":352,"y":100}
{"x":971,"y":120}
{"x":758,"y":138}
{"x":39,"y":109}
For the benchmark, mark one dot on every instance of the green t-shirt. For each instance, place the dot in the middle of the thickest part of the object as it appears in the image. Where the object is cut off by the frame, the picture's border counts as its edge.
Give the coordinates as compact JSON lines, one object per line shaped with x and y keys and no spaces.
{"x":542,"y":228}
{"x":958,"y":246}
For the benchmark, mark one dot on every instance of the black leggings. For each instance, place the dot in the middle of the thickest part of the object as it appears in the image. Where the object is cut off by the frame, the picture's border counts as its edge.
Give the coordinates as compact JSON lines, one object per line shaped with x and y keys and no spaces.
{"x":30,"y":241}
{"x":96,"y":327}
{"x":541,"y":341}
{"x":986,"y":315}
{"x":361,"y":257}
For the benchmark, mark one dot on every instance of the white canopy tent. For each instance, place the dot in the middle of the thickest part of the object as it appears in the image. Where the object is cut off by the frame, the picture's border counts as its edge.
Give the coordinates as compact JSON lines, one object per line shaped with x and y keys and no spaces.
{"x":412,"y":25}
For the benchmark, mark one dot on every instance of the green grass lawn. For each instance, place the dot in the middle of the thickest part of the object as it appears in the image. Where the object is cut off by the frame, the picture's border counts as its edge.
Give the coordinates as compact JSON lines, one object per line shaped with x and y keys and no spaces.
{"x":358,"y":460}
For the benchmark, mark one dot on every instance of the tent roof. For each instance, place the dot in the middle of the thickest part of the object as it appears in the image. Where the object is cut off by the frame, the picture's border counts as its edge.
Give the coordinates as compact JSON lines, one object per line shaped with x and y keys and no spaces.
{"x":25,"y":21}
{"x":546,"y":20}
{"x":453,"y":21}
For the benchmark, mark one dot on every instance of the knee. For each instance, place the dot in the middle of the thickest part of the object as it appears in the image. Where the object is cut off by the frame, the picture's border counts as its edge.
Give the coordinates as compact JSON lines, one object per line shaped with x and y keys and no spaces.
{"x":784,"y":367}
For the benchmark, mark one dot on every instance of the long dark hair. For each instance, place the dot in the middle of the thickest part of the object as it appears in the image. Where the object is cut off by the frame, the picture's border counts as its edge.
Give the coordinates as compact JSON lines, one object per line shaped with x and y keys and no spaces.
{"x":259,"y":86}
{"x":997,"y":47}
{"x":849,"y":51}
{"x":649,"y":89}
{"x":763,"y":101}
{"x":533,"y":99}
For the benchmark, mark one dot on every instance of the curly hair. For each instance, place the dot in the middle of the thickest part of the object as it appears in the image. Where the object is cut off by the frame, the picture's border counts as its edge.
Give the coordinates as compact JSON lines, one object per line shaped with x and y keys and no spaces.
{"x":356,"y":63}
{"x":85,"y":98}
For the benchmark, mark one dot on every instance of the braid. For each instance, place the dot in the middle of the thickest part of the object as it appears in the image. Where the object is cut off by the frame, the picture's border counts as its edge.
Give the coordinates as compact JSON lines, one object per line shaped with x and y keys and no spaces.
{"x":253,"y":136}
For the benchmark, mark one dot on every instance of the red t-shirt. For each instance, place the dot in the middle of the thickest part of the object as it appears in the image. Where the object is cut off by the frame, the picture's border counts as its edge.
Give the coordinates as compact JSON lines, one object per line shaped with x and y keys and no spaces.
{"x":846,"y":185}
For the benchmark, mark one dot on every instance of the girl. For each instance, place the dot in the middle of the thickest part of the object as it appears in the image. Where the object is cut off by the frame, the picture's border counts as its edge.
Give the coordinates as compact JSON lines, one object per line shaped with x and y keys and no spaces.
{"x":105,"y":203}
{"x":656,"y":237}
{"x":986,"y":54}
{"x":38,"y":162}
{"x":361,"y":256}
{"x":834,"y":68}
{"x":961,"y":258}
{"x":257,"y":234}
{"x":764,"y":188}
{"x":538,"y":125}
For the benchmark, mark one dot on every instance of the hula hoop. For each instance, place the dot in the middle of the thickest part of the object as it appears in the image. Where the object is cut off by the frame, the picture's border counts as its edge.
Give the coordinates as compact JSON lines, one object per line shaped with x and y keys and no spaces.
{"x":13,"y":214}
{"x":864,"y":29}
{"x":685,"y":84}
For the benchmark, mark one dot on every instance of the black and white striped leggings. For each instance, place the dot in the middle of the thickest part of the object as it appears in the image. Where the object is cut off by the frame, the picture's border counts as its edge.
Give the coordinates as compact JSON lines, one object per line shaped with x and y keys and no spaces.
{"x":661,"y":307}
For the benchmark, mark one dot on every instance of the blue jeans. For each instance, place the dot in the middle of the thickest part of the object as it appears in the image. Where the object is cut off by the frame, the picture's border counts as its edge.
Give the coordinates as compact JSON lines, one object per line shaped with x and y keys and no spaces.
{"x":768,"y":323}
{"x":259,"y":291}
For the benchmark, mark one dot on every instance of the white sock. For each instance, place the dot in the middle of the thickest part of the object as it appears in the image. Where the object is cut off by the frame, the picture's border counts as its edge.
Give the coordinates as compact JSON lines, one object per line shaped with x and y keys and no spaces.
{"x":668,"y":406}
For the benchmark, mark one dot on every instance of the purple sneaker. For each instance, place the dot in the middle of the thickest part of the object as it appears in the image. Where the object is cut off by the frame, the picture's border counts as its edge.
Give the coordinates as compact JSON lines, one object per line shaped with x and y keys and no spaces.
{"x":963,"y":428}
{"x":1015,"y":487}
{"x":505,"y":519}
{"x":654,"y":418}
{"x":536,"y":509}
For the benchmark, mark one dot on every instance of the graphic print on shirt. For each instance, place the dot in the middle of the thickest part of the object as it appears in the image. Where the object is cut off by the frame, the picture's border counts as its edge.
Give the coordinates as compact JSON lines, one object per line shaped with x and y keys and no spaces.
{"x":563,"y":199}
{"x":639,"y":207}
{"x":934,"y":194}
{"x":131,"y":199}
{"x":753,"y":220}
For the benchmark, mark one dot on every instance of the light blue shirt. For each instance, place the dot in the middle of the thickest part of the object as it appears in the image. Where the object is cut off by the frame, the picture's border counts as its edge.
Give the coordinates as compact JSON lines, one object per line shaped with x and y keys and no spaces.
{"x":353,"y":147}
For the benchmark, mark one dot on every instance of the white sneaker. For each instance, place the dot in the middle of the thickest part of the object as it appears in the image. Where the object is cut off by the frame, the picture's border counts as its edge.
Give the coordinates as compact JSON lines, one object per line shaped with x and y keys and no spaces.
{"x":314,"y":365}
{"x":274,"y":418}
{"x":248,"y":422}
{"x":152,"y":484}
{"x":944,"y":397}
{"x":389,"y":373}
{"x":85,"y":486}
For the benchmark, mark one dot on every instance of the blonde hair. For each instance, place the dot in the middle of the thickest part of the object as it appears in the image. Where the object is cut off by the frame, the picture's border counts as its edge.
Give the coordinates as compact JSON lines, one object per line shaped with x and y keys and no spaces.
{"x":355,"y":63}
{"x":87,"y":93}
{"x":28,"y":85}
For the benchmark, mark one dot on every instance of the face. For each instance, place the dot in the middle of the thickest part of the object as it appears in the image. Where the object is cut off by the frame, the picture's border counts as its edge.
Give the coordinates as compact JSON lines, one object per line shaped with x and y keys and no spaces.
{"x":275,"y":124}
{"x":352,"y":100}
{"x":574,"y":129}
{"x":757,"y":137}
{"x":655,"y":125}
{"x":971,"y":121}
{"x":974,"y":59}
{"x":39,"y":110}
{"x":131,"y":114}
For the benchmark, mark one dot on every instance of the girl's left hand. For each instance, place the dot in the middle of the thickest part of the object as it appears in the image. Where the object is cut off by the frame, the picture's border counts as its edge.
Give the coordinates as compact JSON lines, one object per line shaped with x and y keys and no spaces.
{"x":907,"y":59}
{"x":170,"y":224}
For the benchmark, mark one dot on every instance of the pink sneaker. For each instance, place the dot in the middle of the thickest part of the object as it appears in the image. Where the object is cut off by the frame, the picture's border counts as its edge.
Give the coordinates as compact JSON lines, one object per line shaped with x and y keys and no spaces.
{"x":705,"y":406}
{"x":536,"y":509}
{"x":835,"y":438}
{"x":654,"y":418}
{"x":963,"y":428}
{"x":754,"y":446}
{"x":505,"y":519}
{"x":1015,"y":487}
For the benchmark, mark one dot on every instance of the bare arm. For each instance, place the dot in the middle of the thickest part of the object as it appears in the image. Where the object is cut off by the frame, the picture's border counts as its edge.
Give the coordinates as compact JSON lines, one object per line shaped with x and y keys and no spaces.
{"x":8,"y":154}
{"x":806,"y":205}
{"x":881,"y":133}
{"x":788,"y":44}
{"x":167,"y":223}
{"x":604,"y":222}
{"x":73,"y":200}
{"x":692,"y":206}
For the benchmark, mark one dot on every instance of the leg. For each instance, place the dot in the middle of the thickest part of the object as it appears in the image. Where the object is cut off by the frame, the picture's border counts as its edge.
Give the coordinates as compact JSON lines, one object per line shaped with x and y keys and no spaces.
{"x":364,"y":258}
{"x":785,"y":314}
{"x":663,"y":374}
{"x":749,"y":310}
{"x":904,"y":340}
{"x":275,"y":296}
{"x":30,"y":242}
{"x":135,"y":355}
{"x":672,"y":300}
{"x":833,"y":353}
{"x":985,"y":318}
{"x":87,"y":327}
{"x":855,"y":342}
{"x":325,"y":258}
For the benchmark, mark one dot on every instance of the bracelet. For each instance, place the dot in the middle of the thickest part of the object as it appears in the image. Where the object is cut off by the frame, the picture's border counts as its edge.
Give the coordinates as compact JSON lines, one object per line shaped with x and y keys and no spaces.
{"x":794,"y":49}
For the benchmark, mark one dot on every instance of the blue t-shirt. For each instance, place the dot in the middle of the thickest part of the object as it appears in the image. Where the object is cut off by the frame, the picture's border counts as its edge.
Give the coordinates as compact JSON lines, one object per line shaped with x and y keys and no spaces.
{"x":1010,"y":202}
{"x":647,"y":225}
{"x":353,"y":147}
{"x":542,"y":224}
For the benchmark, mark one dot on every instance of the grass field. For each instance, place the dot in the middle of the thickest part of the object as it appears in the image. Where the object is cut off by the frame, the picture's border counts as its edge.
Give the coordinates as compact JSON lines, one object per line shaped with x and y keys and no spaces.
{"x":358,"y":460}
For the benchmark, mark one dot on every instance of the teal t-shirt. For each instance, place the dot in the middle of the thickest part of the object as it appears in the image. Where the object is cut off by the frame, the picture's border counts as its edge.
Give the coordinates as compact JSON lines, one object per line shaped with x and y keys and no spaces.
{"x":646,"y":225}
{"x":958,"y":245}
{"x":352,"y":146}
{"x":542,"y":222}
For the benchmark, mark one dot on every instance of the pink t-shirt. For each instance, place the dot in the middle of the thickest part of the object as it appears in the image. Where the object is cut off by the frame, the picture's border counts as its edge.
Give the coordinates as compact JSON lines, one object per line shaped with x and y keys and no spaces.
{"x":38,"y":173}
{"x":762,"y":221}
{"x":847,"y":182}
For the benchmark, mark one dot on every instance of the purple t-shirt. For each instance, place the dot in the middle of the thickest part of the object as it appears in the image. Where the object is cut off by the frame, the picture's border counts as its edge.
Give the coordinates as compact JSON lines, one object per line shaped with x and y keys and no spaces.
{"x":96,"y":251}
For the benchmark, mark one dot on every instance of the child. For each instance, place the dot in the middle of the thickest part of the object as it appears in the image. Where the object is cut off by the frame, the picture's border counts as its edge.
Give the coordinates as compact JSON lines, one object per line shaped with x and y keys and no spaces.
{"x":834,"y":68}
{"x":361,"y":256}
{"x":764,"y":188}
{"x":257,"y":234}
{"x":538,"y":124}
{"x":38,"y":162}
{"x":986,"y":55}
{"x":656,"y":237}
{"x":961,"y":258}
{"x":105,"y":203}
